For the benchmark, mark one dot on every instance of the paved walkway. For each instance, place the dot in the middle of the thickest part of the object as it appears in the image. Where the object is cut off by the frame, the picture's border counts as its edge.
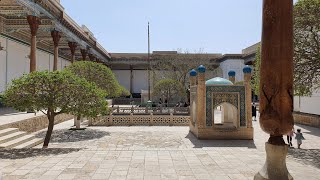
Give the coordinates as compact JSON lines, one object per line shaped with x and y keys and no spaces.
{"x":152,"y":153}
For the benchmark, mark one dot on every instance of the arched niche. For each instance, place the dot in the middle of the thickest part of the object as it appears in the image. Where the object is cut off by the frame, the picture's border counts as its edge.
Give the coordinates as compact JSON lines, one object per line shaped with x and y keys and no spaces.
{"x":225,"y":116}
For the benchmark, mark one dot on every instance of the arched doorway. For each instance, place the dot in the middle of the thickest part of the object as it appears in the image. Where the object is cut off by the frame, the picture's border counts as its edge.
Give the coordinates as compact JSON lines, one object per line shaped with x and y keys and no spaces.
{"x":225,"y":116}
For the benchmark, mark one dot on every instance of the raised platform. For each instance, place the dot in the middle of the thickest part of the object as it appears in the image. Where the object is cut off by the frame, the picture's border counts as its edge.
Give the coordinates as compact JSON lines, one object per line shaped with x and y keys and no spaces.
{"x":307,"y":119}
{"x":28,"y":122}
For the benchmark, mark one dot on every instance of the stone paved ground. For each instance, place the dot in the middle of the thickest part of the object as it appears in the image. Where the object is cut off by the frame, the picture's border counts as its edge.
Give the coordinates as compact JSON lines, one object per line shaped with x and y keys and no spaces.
{"x":152,"y":153}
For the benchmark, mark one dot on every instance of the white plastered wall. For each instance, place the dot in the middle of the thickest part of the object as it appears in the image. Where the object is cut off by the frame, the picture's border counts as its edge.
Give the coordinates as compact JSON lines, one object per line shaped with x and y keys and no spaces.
{"x":140,"y":80}
{"x":14,"y":61}
{"x":308,"y":104}
{"x":123,"y":77}
{"x":3,"y":58}
{"x":236,"y":65}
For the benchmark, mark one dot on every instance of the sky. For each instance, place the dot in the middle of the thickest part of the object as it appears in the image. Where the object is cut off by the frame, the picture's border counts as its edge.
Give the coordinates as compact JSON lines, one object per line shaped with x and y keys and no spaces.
{"x":208,"y":26}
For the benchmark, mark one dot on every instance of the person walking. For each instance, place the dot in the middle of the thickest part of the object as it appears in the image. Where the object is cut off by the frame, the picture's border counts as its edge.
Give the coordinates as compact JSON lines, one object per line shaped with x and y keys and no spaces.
{"x":289,"y":137}
{"x":299,"y":137}
{"x":254,"y":111}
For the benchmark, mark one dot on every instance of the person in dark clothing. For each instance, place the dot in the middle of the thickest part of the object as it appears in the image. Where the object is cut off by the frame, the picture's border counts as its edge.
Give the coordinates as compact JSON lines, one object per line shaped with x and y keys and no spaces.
{"x":254,"y":111}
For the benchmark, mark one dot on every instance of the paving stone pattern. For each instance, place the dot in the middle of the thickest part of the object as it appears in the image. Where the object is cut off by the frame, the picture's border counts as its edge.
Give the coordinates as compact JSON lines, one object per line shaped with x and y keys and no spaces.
{"x":152,"y":153}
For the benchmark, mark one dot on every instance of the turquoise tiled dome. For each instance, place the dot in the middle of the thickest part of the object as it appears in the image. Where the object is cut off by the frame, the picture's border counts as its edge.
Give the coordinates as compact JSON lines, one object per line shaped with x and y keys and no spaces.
{"x":218,"y":81}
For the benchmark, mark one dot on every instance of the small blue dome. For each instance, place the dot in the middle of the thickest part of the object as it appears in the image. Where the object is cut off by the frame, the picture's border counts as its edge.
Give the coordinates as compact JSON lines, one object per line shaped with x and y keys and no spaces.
{"x":218,"y":81}
{"x":247,"y":69}
{"x":193,"y":72}
{"x":201,"y":69}
{"x":232,"y":73}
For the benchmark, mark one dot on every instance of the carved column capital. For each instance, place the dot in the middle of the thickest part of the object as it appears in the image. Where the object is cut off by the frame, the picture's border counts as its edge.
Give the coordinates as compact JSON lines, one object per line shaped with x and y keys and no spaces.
{"x":91,"y":57}
{"x":72,"y":46}
{"x":84,"y":54}
{"x":34,"y":23}
{"x":56,"y":36}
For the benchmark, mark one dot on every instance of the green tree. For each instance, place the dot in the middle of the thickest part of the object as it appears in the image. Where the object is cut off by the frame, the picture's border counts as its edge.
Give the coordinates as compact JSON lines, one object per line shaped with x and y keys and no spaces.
{"x":99,"y":74}
{"x":55,"y":93}
{"x":169,"y":88}
{"x":123,"y":92}
{"x":178,"y":65}
{"x":306,"y":46}
{"x":255,"y":83}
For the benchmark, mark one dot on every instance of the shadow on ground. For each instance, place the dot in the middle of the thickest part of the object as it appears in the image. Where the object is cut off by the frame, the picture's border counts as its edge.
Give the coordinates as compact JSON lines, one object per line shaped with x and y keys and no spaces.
{"x":65,"y":135}
{"x":306,"y":156}
{"x":220,"y":143}
{"x":27,"y":153}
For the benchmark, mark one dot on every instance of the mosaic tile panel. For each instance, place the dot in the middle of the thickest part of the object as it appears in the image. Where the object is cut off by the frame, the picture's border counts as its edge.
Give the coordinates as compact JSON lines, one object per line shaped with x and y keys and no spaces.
{"x":229,"y":98}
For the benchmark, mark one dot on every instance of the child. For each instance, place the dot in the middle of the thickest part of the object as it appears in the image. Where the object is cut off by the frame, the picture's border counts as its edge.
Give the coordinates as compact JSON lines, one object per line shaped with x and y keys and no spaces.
{"x":289,"y":137}
{"x":299,"y":137}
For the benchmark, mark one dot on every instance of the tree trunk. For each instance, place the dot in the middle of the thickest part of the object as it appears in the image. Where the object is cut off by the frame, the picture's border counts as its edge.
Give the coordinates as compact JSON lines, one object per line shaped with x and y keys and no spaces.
{"x":78,"y":122}
{"x":49,"y":131}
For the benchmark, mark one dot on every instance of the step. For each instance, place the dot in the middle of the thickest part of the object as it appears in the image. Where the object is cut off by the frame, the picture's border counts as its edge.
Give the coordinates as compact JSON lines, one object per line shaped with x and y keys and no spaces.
{"x":8,"y":131}
{"x":11,"y":136}
{"x":34,"y":142}
{"x":17,"y":142}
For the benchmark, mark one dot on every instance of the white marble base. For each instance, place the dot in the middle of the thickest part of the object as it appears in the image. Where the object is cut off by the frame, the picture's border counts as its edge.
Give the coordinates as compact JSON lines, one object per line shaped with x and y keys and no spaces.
{"x":275,"y":167}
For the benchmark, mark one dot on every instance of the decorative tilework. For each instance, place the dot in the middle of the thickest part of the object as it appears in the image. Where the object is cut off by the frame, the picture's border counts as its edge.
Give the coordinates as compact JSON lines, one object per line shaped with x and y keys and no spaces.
{"x":230,"y":94}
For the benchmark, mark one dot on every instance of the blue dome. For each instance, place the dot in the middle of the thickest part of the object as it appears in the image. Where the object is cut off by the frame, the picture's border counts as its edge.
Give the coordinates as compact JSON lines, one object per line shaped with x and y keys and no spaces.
{"x":201,"y":69}
{"x":193,"y":72}
{"x":232,"y":73}
{"x":218,"y":81}
{"x":247,"y":69}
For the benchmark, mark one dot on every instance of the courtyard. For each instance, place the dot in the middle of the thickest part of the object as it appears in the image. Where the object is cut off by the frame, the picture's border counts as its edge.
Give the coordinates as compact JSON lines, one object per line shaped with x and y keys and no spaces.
{"x":151,"y":153}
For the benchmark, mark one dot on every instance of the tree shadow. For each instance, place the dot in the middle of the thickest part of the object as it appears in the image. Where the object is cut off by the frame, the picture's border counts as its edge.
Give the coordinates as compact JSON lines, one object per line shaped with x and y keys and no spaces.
{"x":220,"y":143}
{"x":306,"y":156}
{"x":30,"y":152}
{"x":309,"y":130}
{"x":65,"y":135}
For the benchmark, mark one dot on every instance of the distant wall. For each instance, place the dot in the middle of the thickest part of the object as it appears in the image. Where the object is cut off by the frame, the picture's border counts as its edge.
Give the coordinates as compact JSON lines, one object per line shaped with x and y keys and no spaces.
{"x":236,"y":65}
{"x":310,"y":105}
{"x":14,"y":61}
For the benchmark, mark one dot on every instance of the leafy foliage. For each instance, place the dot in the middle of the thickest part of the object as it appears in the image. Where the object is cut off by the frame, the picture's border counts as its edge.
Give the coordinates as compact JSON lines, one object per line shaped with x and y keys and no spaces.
{"x":255,"y":83}
{"x":123,"y":91}
{"x":54,"y":93}
{"x":98,"y":73}
{"x":306,"y":46}
{"x":169,"y":88}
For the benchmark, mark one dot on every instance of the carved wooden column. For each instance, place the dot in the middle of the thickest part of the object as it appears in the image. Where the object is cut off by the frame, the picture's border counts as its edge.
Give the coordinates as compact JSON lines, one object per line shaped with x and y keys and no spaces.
{"x":131,"y":79}
{"x":92,"y":57}
{"x":72,"y":46}
{"x":56,"y":38}
{"x":276,"y":84}
{"x":201,"y":117}
{"x":247,"y":84}
{"x":192,"y":99}
{"x":232,"y":76}
{"x":34,"y":23}
{"x":84,"y":54}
